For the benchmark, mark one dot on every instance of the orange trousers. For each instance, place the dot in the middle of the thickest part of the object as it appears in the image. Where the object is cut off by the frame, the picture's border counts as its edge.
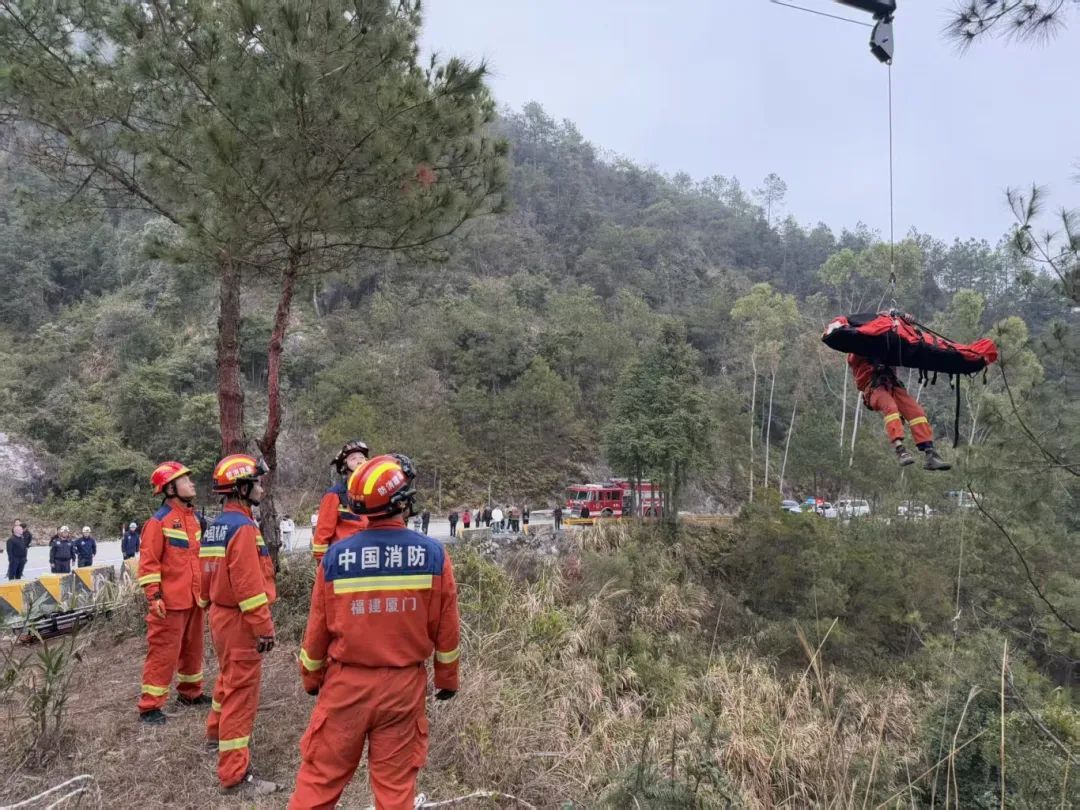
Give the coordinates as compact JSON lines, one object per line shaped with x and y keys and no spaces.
{"x":236,"y":692}
{"x":381,"y":706}
{"x":174,"y":645}
{"x":898,"y":406}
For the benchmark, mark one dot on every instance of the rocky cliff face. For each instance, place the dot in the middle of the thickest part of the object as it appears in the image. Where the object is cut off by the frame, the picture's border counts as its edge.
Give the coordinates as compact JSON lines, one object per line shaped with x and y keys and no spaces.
{"x":22,"y":473}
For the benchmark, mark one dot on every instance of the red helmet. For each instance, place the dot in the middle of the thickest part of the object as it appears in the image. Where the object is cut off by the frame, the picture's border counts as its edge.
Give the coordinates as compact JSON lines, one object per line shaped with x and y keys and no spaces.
{"x":382,"y":486}
{"x":347,"y":449}
{"x":165,"y":473}
{"x":237,"y":469}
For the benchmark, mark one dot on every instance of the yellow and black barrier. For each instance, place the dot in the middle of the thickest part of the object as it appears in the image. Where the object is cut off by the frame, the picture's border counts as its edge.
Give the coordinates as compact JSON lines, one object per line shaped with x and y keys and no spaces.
{"x":54,"y":602}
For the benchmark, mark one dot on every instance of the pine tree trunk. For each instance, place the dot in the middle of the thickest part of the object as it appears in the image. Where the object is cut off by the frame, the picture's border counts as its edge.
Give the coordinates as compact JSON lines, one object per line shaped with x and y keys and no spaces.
{"x":753,"y":408}
{"x":268,"y":442}
{"x":843,"y":414}
{"x":230,"y":385}
{"x":855,"y":430}
{"x":768,"y":427}
{"x":787,"y":442}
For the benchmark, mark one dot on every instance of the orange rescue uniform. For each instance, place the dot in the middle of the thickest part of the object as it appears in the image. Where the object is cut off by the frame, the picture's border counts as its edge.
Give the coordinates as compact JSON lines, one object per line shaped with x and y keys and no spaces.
{"x":884,"y":393}
{"x":335,"y":521}
{"x":384,"y":601}
{"x":169,"y":566}
{"x":238,"y":585}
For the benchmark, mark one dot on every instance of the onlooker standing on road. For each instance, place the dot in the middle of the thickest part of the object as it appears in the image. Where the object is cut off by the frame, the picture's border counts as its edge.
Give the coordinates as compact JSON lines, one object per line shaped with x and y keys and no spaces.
{"x":525,"y":519}
{"x":487,"y":515}
{"x":452,"y":517}
{"x":28,"y":538}
{"x":557,"y":514}
{"x":85,"y":548}
{"x":16,"y":550}
{"x":425,"y":519}
{"x":287,"y":527}
{"x":496,"y":519}
{"x":466,"y":518}
{"x":129,"y":543}
{"x":61,"y":551}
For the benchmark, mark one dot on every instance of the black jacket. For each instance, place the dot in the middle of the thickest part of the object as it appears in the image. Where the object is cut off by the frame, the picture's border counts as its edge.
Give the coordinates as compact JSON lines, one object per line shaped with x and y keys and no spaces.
{"x":16,"y":549}
{"x":129,"y":545}
{"x":85,"y":549}
{"x":61,"y":550}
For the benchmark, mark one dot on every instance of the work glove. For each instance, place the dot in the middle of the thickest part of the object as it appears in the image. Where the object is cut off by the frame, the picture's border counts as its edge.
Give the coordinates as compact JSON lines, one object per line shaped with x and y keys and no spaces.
{"x":265,"y":644}
{"x":157,"y":606}
{"x":445,"y":694}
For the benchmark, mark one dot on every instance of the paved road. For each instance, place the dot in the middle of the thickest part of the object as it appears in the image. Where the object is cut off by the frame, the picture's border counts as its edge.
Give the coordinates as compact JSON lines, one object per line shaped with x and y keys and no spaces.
{"x":37,"y":561}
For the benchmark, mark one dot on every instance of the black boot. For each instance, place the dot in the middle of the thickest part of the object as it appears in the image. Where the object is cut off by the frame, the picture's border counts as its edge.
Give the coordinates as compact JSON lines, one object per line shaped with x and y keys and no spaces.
{"x":903,"y":456}
{"x":201,"y":700}
{"x":154,"y":717}
{"x":935,"y":462}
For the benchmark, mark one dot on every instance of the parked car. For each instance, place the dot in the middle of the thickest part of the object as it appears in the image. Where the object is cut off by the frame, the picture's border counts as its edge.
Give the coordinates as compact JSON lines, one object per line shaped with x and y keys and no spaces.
{"x":826,"y":510}
{"x":790,"y":506}
{"x":914,"y":511}
{"x":849,"y":508}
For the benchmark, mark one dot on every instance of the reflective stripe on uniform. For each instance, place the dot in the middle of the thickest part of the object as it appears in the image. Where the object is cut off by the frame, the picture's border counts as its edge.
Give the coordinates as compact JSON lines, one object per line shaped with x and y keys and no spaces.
{"x":310,"y":664}
{"x":260,"y":540}
{"x":319,"y":548}
{"x":233,"y":744}
{"x":255,"y":601}
{"x":918,"y":420}
{"x":214,"y":706}
{"x":203,"y":603}
{"x":415,"y":582}
{"x":147,"y":579}
{"x":182,"y":678}
{"x":891,"y":417}
{"x":211,"y":551}
{"x":180,"y":534}
{"x":448,"y":657}
{"x":156,"y":691}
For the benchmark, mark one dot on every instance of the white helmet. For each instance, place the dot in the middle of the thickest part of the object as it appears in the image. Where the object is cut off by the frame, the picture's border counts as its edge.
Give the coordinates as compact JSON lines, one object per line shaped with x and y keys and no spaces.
{"x":64,"y":529}
{"x":86,"y":530}
{"x":133,"y":525}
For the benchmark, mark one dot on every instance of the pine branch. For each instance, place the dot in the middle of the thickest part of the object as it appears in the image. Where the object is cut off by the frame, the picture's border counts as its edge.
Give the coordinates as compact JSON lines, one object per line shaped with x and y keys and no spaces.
{"x":1023,"y":562}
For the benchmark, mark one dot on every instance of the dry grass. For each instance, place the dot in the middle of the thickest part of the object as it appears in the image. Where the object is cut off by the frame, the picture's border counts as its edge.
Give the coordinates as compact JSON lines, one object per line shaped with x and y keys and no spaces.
{"x":557,"y":705}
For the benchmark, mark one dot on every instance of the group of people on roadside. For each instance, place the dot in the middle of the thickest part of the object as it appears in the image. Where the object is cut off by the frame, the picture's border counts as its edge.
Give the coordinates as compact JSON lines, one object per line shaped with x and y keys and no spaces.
{"x":509,"y":519}
{"x":65,"y":550}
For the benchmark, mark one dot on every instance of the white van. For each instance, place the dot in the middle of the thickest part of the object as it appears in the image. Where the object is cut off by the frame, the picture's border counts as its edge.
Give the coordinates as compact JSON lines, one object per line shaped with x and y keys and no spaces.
{"x":849,"y":508}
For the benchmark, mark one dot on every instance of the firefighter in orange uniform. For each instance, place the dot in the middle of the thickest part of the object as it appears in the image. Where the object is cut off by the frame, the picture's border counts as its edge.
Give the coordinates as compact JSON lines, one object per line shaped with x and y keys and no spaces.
{"x":883,"y":392}
{"x":336,"y":520}
{"x":384,"y":601}
{"x":238,"y":585}
{"x":169,"y":576}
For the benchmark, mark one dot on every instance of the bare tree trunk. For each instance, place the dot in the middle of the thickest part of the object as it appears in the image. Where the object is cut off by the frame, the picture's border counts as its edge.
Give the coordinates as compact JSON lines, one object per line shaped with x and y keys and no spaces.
{"x":787,"y":442}
{"x":855,"y":429}
{"x":268,"y":443}
{"x":768,"y":426}
{"x":843,"y":414}
{"x":753,"y":409}
{"x":974,"y":420}
{"x":230,"y":385}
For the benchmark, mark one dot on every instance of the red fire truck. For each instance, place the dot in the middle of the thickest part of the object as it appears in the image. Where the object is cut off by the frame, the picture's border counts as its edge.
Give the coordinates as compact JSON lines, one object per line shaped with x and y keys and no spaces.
{"x":613,"y":498}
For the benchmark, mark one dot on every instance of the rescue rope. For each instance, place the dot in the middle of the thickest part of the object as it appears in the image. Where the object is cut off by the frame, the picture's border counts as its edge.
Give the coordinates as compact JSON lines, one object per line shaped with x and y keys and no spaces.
{"x":822,"y":14}
{"x":891,"y":287}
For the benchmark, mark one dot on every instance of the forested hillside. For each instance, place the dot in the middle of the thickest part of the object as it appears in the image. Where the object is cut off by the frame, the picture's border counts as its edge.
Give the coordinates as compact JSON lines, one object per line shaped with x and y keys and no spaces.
{"x":495,"y":362}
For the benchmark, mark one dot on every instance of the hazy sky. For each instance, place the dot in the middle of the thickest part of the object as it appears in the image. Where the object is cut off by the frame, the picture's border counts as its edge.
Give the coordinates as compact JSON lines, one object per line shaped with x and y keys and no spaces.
{"x":744,"y":88}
